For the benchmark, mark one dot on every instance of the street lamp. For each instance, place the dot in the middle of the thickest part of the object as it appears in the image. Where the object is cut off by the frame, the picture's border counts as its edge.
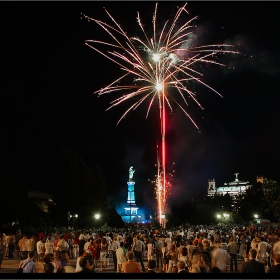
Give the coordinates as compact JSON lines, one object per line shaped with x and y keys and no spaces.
{"x":97,"y":216}
{"x":219,"y":216}
{"x":256,"y":216}
{"x":76,"y":220}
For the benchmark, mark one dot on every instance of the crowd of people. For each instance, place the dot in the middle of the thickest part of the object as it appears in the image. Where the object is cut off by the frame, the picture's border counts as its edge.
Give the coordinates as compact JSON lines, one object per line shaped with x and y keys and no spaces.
{"x":190,"y":249}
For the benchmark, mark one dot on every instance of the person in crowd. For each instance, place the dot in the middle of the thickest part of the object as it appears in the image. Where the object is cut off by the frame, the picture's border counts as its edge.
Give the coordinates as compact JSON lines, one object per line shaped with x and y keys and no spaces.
{"x":85,"y":255}
{"x":181,"y":267}
{"x":103,"y":253}
{"x":23,"y":247}
{"x":195,"y":264}
{"x":82,"y":242}
{"x":232,"y":249}
{"x":61,"y":253}
{"x":266,"y":267}
{"x":71,"y":243}
{"x":40,"y":249}
{"x":158,"y":251}
{"x":28,"y":264}
{"x":263,"y":249}
{"x":151,"y":266}
{"x":276,"y":245}
{"x":138,"y":247}
{"x":247,"y":242}
{"x":223,"y":244}
{"x":173,"y":257}
{"x":57,"y":238}
{"x":93,"y":251}
{"x":11,"y":245}
{"x":121,"y":256}
{"x":96,"y":252}
{"x":252,"y":265}
{"x":150,"y":247}
{"x":85,"y":266}
{"x":174,"y":269}
{"x":87,"y":244}
{"x":114,"y":247}
{"x":205,"y":263}
{"x":220,"y":258}
{"x":49,"y":246}
{"x":254,"y":243}
{"x":207,"y":248}
{"x":48,"y":266}
{"x":31,"y":245}
{"x":275,"y":268}
{"x":2,"y":250}
{"x":165,"y":258}
{"x":242,"y":243}
{"x":168,"y":241}
{"x":181,"y":246}
{"x":130,"y":266}
{"x":183,"y":255}
{"x":190,"y":248}
{"x":50,"y":238}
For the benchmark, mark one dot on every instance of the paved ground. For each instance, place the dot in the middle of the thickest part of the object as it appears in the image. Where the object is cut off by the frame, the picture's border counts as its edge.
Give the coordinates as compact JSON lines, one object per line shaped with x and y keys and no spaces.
{"x":11,"y":266}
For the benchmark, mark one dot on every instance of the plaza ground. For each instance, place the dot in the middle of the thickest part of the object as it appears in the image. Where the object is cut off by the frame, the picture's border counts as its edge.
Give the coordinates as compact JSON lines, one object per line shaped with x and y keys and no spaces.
{"x":11,"y":266}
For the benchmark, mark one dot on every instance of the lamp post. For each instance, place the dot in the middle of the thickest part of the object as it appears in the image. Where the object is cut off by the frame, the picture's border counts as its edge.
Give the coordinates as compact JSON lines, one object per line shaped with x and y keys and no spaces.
{"x":69,"y":219}
{"x":76,"y":220}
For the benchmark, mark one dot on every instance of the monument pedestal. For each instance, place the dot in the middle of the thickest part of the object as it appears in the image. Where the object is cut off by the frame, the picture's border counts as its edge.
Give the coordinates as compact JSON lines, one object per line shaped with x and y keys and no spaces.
{"x":130,"y":211}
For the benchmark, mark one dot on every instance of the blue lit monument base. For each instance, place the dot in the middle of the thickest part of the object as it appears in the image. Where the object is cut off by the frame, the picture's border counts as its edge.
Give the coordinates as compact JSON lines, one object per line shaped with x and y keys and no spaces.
{"x":130,"y":211}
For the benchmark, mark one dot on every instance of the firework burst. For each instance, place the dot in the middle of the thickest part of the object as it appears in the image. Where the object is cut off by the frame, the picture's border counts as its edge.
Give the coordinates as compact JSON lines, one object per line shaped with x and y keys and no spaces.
{"x":160,"y":66}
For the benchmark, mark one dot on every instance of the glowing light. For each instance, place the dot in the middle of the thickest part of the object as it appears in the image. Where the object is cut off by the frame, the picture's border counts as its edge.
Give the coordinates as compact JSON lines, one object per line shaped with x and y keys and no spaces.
{"x":159,"y":86}
{"x":156,"y":57}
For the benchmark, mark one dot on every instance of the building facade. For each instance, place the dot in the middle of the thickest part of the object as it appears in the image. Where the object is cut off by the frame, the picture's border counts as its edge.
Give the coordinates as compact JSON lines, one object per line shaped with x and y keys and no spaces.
{"x":232,"y":188}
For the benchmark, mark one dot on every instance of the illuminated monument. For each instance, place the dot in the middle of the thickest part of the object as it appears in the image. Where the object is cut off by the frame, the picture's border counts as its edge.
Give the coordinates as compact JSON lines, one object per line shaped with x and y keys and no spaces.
{"x":130,"y":211}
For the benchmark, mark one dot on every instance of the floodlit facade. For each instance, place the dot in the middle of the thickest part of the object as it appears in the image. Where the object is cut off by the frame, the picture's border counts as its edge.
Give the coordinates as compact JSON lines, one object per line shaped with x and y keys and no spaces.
{"x":232,"y":188}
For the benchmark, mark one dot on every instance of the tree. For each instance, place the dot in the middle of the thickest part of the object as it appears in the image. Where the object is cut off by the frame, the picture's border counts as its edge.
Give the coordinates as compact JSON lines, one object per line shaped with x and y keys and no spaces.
{"x":115,"y":220}
{"x":172,"y":220}
{"x":220,"y":203}
{"x":203,"y":214}
{"x":13,"y":197}
{"x":79,"y":189}
{"x":271,"y":192}
{"x":253,"y":201}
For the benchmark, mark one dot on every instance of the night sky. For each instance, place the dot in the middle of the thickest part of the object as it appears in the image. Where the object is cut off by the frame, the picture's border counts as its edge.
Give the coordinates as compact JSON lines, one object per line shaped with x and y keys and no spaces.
{"x":47,"y":102}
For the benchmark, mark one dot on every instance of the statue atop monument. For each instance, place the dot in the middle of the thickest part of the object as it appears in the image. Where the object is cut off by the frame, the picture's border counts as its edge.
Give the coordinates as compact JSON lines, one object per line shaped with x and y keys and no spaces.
{"x":131,"y":171}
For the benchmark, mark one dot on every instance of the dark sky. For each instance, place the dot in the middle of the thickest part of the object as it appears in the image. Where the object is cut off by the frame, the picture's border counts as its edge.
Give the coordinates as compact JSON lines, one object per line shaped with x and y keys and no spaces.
{"x":49,"y":75}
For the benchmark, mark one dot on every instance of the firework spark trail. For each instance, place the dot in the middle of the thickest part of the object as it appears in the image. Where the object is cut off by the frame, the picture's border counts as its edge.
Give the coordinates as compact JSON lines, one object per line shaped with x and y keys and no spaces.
{"x":170,"y":64}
